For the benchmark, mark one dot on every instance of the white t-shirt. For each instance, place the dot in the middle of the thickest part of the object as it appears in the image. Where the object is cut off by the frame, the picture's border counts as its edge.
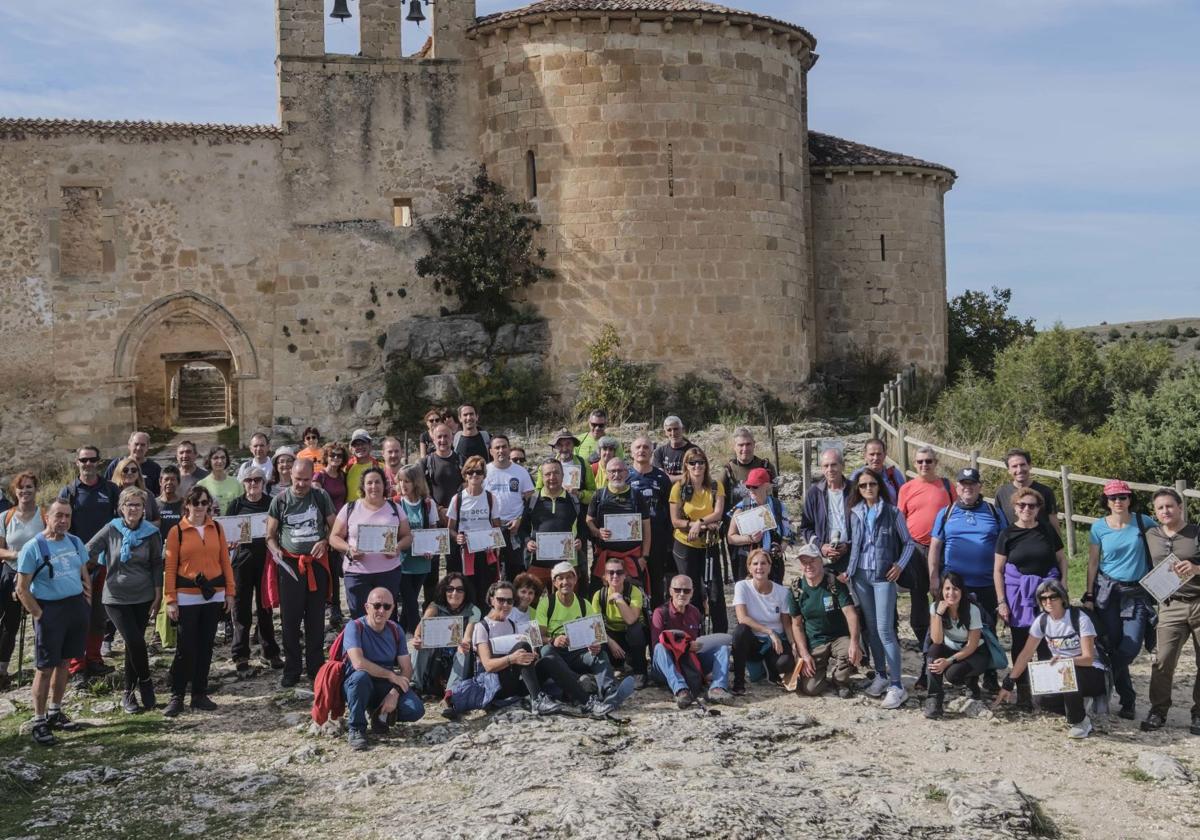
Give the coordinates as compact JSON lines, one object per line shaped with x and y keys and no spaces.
{"x":836,"y":515}
{"x":474,"y":513}
{"x":508,"y":486}
{"x":496,"y":629}
{"x":767,"y":609}
{"x":1061,"y":637}
{"x":955,"y":635}
{"x":18,"y":533}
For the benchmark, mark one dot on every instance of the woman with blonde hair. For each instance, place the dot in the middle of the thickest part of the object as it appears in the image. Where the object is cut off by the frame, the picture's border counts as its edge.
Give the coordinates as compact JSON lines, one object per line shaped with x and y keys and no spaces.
{"x":412,"y":494}
{"x":128,"y":473}
{"x":697,"y":505}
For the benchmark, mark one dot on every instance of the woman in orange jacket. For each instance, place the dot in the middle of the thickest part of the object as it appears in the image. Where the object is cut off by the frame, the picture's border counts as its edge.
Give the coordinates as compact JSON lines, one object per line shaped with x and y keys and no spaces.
{"x":199,"y":589}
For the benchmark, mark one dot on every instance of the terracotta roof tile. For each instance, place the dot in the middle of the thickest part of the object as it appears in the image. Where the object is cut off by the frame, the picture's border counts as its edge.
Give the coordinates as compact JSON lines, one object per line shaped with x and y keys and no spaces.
{"x":660,"y":7}
{"x":828,"y":152}
{"x":17,"y":129}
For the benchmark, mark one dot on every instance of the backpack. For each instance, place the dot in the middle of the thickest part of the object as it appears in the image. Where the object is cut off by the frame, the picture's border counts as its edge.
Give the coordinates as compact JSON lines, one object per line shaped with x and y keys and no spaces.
{"x":428,"y":469}
{"x":583,"y":606}
{"x":1097,"y":640}
{"x":487,"y":439}
{"x":328,"y":700}
{"x":625,"y":593}
{"x":941,"y":534}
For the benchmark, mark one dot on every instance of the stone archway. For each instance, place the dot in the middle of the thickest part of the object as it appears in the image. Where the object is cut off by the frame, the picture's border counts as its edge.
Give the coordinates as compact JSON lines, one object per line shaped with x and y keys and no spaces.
{"x":146,"y":349}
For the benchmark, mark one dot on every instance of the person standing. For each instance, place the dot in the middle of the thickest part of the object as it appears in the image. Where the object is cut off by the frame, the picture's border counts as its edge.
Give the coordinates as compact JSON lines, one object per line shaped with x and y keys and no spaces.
{"x":697,"y":505}
{"x":616,"y":498}
{"x":875,"y":457}
{"x":189,"y":472}
{"x":369,"y":570}
{"x":362,"y":460}
{"x":249,"y":563}
{"x":298,"y":525}
{"x":474,"y":509}
{"x":739,"y":468}
{"x":281,"y":469}
{"x":669,"y":456}
{"x":312,"y":450}
{"x":223,"y":486}
{"x":471,"y":440}
{"x":553,"y":510}
{"x":1018,"y":463}
{"x":511,"y":487}
{"x":139,"y":450}
{"x":421,"y":512}
{"x":443,"y":476}
{"x":53,"y":584}
{"x":758,"y":487}
{"x":393,"y":460}
{"x":654,"y":486}
{"x":825,"y":516}
{"x":20,"y":524}
{"x":260,"y":447}
{"x":589,"y":442}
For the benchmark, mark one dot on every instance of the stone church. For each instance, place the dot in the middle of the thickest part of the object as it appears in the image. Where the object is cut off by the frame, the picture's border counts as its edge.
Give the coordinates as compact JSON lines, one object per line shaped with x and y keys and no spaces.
{"x":664,"y":143}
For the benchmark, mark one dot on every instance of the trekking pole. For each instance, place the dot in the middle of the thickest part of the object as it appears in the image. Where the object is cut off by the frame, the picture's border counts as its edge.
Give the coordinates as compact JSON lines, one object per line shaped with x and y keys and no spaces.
{"x":21,"y":647}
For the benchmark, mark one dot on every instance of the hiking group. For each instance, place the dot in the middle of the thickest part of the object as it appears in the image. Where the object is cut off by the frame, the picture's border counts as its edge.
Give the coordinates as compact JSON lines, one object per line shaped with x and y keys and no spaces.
{"x":570,"y":585}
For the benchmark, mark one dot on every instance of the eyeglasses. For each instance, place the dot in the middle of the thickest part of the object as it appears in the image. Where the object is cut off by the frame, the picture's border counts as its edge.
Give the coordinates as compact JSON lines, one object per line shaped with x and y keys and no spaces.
{"x":1027,"y":505}
{"x":697,"y":463}
{"x":518,"y":460}
{"x":500,"y":600}
{"x":926,"y":461}
{"x":679,"y":591}
{"x":87,"y":460}
{"x":863,"y":485}
{"x":598,"y":425}
{"x":473,"y":472}
{"x":1119,"y":497}
{"x":252,"y":481}
{"x":615,"y":573}
{"x":456,"y":589}
{"x":1048,"y":598}
{"x":380,"y":606}
{"x":130,"y":471}
{"x":203,"y":503}
{"x":312,"y":437}
{"x":340,"y":455}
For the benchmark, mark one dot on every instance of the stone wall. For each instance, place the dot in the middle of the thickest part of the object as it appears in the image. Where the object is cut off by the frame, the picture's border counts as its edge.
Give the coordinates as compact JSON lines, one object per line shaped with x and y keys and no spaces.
{"x":888,"y":293}
{"x":668,"y":158}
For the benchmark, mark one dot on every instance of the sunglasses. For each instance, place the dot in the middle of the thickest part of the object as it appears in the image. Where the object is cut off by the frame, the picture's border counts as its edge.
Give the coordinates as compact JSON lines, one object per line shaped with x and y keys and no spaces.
{"x":500,"y":600}
{"x":201,"y":504}
{"x":1120,"y":497}
{"x":135,"y":471}
{"x":863,"y":485}
{"x":473,"y":472}
{"x":679,"y":591}
{"x":456,"y":589}
{"x":1048,"y":598}
{"x":518,"y":460}
{"x":252,"y":481}
{"x":697,"y":463}
{"x":380,"y":606}
{"x":926,"y":461}
{"x":87,"y":460}
{"x":598,"y":425}
{"x":615,"y":573}
{"x":1027,"y":505}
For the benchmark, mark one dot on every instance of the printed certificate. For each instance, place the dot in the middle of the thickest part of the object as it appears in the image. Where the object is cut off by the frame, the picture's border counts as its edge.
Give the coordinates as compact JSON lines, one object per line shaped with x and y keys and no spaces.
{"x":1162,"y":581}
{"x":433,"y":541}
{"x":240,"y":530}
{"x":376,"y":539}
{"x":756,"y":520}
{"x":1051,"y":676}
{"x":485,"y":539}
{"x":444,"y":632}
{"x":625,"y":527}
{"x":572,"y":476}
{"x":555,"y":546}
{"x":585,"y":632}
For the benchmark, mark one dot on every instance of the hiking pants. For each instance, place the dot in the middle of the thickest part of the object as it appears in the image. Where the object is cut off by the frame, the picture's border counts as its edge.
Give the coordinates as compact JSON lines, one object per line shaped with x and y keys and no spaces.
{"x":582,"y":661}
{"x":748,"y":646}
{"x":660,"y":565}
{"x":517,"y":680}
{"x":915,"y":578}
{"x":878,"y":601}
{"x":1124,"y":620}
{"x":298,"y":605}
{"x":410,"y":613}
{"x":359,"y":586}
{"x":364,"y":692}
{"x":335,"y":594}
{"x":837,"y":652}
{"x":985,"y":597}
{"x":10,"y":612}
{"x":96,"y":626}
{"x":1092,"y":683}
{"x":693,"y":562}
{"x":633,"y":641}
{"x":194,"y":648}
{"x":1177,"y":622}
{"x":1020,"y":635}
{"x":130,"y":621}
{"x":247,"y":604}
{"x":958,"y":673}
{"x":714,"y":663}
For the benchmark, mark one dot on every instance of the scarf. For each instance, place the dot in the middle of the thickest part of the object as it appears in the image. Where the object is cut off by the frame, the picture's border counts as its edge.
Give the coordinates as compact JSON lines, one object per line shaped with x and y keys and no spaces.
{"x":130,"y":538}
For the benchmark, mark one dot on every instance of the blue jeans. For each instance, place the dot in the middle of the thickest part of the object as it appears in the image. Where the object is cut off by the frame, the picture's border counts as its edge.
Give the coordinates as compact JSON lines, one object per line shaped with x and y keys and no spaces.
{"x":878,"y":601}
{"x":365,"y":692}
{"x":1123,"y":621}
{"x":712,"y":662}
{"x":359,"y":586}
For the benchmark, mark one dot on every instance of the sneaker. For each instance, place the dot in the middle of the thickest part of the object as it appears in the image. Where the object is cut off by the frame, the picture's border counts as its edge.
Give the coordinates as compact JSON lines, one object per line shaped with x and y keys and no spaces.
{"x":58,"y":720}
{"x":130,"y":704}
{"x":588,"y":683}
{"x":1127,"y":712}
{"x":358,"y":740}
{"x":738,"y":689}
{"x":684,"y":698}
{"x":1153,"y":722}
{"x":895,"y":697}
{"x":289,"y":680}
{"x":718,"y":696}
{"x":203,"y":702}
{"x":450,"y":713}
{"x":544,"y":704}
{"x":242,"y":667}
{"x":378,"y":727}
{"x":1100,"y":708}
{"x":845,"y":692}
{"x":877,"y":687}
{"x":1081,"y":729}
{"x":42,"y":734}
{"x":106,"y":648}
{"x":174,"y":706}
{"x":933,"y":707}
{"x":642,"y":682}
{"x":146,"y":691}
{"x":618,"y":692}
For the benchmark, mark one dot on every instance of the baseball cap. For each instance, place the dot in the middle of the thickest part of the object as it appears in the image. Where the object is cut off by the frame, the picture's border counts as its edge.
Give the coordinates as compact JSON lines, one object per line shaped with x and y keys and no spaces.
{"x":969,"y":474}
{"x":562,"y":568}
{"x":360,"y":434}
{"x":1117,"y":487}
{"x":758,"y":477}
{"x":809,"y":550}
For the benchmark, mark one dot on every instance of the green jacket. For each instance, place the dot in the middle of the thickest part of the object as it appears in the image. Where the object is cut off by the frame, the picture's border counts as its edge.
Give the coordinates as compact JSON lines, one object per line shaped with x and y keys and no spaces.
{"x":587,"y":480}
{"x":589,"y":446}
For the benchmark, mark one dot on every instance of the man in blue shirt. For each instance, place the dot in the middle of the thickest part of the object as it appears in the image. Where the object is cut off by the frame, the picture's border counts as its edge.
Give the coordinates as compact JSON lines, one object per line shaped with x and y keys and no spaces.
{"x":964,"y":541}
{"x":374,"y":646}
{"x":54,"y":586}
{"x":654,"y":486}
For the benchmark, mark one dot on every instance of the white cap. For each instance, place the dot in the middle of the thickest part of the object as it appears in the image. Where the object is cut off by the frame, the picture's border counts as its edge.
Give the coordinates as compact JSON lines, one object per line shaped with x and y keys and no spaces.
{"x":360,"y":434}
{"x":562,"y":568}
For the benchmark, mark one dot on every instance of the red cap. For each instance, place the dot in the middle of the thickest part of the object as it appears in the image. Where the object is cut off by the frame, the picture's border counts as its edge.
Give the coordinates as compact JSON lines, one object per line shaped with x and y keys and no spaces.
{"x":1116,"y":487}
{"x":758,"y":477}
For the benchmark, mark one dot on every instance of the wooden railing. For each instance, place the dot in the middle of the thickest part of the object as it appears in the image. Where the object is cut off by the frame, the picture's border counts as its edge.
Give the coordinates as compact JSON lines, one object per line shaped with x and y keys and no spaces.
{"x":887,"y":424}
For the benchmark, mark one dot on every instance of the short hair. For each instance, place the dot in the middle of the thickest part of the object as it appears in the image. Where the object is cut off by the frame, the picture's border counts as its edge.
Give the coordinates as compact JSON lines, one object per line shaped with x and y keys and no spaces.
{"x":551,"y":462}
{"x":671,"y":420}
{"x":22,"y":477}
{"x":528,"y":581}
{"x":1026,"y":492}
{"x":217,"y":449}
{"x":598,"y":412}
{"x":392,"y":439}
{"x":467,"y":405}
{"x":755,"y":554}
{"x":184,"y":443}
{"x":1052,"y":586}
{"x":436,"y":430}
{"x":475,"y":462}
{"x":497,"y":437}
{"x":743,"y":432}
{"x":198,"y":492}
{"x":335,"y":446}
{"x":90,"y":446}
{"x":171,"y":469}
{"x":309,"y":430}
{"x":136,"y":432}
{"x":646,"y":438}
{"x":59,"y":500}
{"x":414,"y":475}
{"x":608,"y":442}
{"x":926,"y":450}
{"x":1015,"y":453}
{"x":1162,"y":491}
{"x":841,"y":457}
{"x":301,"y":462}
{"x":262,"y":435}
{"x":498,"y":585}
{"x":876,"y":441}
{"x":132,"y":492}
{"x":439,"y":593}
{"x":362,"y":479}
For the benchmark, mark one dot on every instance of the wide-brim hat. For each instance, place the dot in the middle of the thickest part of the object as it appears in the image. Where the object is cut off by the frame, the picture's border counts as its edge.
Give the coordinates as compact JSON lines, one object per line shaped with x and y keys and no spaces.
{"x":562,"y":567}
{"x":563,"y":433}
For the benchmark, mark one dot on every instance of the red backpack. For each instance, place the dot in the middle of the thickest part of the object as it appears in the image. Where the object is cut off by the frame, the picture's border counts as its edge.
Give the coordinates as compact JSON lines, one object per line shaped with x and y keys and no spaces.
{"x":329,"y":703}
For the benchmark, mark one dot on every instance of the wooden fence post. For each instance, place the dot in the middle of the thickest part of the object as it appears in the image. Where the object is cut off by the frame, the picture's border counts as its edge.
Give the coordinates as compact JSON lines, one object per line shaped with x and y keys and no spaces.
{"x":806,"y":468}
{"x":1180,"y":487}
{"x":1068,"y":510}
{"x":899,"y":394}
{"x":902,"y":447}
{"x":526,"y":441}
{"x":405,"y":448}
{"x":974,"y":459}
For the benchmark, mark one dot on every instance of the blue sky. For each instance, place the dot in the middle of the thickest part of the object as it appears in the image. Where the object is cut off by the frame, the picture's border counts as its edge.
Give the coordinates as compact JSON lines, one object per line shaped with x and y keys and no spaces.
{"x":1073,"y":124}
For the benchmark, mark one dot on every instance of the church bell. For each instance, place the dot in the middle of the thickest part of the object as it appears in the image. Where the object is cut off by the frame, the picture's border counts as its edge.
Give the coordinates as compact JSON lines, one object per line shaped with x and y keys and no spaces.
{"x":341,"y":10}
{"x":414,"y":12}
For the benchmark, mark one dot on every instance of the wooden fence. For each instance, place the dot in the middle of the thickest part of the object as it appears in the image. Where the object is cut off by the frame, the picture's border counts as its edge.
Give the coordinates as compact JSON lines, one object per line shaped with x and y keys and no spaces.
{"x":887,"y":423}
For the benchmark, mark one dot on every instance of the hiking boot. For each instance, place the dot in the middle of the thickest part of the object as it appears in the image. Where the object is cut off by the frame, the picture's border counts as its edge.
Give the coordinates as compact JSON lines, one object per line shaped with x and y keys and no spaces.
{"x":544,"y":704}
{"x":336,"y":621}
{"x":203,"y":702}
{"x":641,"y":682}
{"x":42,"y":735}
{"x":990,"y":684}
{"x":1128,"y":712}
{"x":276,"y":662}
{"x":289,"y":680}
{"x":684,"y":698}
{"x":1024,"y":697}
{"x":5,"y":681}
{"x":242,"y":667}
{"x":588,"y":683}
{"x":106,"y":648}
{"x":450,"y":713}
{"x":877,"y":687}
{"x":933,"y":706}
{"x":358,"y":740}
{"x":129,"y":703}
{"x":378,"y":727}
{"x":79,"y":680}
{"x":739,"y":687}
{"x":174,"y":706}
{"x":146,"y":690}
{"x":99,"y":669}
{"x":895,"y":697}
{"x":1153,"y":721}
{"x":58,"y":719}
{"x":922,"y":683}
{"x":845,"y":692}
{"x":972,"y":686}
{"x":1081,"y":729}
{"x":718,"y":696}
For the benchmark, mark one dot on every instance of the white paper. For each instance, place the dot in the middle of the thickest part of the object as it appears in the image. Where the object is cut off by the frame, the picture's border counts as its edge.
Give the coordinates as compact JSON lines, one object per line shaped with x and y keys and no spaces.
{"x":534,"y":632}
{"x":503,"y":645}
{"x":435,"y":541}
{"x":485,"y":539}
{"x":585,"y":632}
{"x":444,"y":632}
{"x":1051,"y":676}
{"x":756,"y":520}
{"x":376,"y":539}
{"x":1162,"y":581}
{"x":572,"y":476}
{"x":555,"y":546}
{"x":625,"y":527}
{"x":240,"y":530}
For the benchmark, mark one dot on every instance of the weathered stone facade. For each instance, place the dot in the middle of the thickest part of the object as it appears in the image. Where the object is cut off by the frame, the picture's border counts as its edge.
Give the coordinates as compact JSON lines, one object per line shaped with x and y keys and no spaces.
{"x":665,"y":144}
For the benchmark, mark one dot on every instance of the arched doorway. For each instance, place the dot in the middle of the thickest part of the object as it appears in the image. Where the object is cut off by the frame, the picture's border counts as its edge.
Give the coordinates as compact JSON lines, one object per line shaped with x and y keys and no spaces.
{"x":200,"y":391}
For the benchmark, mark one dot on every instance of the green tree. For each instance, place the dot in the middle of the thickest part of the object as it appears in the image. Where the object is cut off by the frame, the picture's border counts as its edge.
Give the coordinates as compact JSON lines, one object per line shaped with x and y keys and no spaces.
{"x":1057,"y":375}
{"x":980,"y":327}
{"x":1135,"y":366}
{"x":626,"y":389}
{"x":481,"y":249}
{"x":1161,"y":428}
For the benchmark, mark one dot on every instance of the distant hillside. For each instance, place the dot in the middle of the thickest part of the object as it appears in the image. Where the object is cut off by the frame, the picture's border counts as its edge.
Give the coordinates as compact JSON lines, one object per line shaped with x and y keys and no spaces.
{"x":1182,"y":334}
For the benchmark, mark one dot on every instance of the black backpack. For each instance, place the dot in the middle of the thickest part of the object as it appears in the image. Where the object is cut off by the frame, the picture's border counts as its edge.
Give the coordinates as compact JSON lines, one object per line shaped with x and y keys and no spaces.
{"x":1098,"y":640}
{"x":625,"y":593}
{"x":941,"y":534}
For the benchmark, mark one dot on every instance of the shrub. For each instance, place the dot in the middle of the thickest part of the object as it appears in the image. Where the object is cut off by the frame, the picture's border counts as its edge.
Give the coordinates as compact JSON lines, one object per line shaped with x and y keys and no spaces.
{"x":1190,"y":332}
{"x":1161,"y":428}
{"x":1172,"y":331}
{"x":1134,"y":366}
{"x":698,"y":400}
{"x":506,"y":394}
{"x":625,"y":389}
{"x":1104,"y":452}
{"x":1114,"y":334}
{"x":980,"y":327}
{"x":1057,"y":375}
{"x":403,"y":380}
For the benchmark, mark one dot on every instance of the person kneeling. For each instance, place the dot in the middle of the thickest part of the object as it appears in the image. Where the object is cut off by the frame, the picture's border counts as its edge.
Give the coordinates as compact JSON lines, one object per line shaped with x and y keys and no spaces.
{"x":761,"y":634}
{"x":679,"y":616}
{"x":374,"y":645}
{"x":956,"y":652}
{"x":620,"y":601}
{"x":824,"y":628}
